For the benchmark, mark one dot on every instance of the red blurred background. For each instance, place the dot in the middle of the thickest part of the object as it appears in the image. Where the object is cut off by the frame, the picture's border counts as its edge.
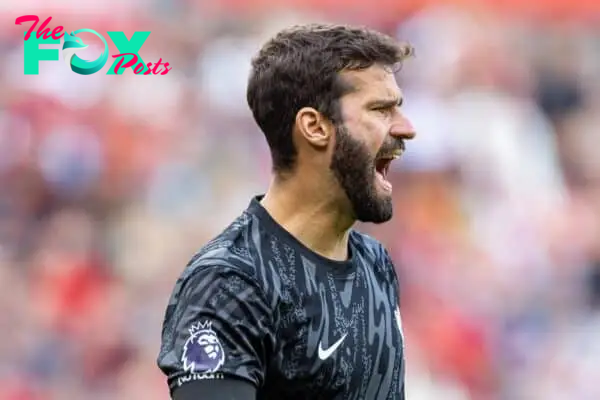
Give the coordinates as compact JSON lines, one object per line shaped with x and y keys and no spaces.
{"x":108,"y":184}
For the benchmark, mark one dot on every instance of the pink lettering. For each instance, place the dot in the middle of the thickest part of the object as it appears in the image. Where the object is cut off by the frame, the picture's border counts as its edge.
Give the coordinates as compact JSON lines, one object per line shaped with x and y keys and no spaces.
{"x":42,"y":30}
{"x":128,"y":64}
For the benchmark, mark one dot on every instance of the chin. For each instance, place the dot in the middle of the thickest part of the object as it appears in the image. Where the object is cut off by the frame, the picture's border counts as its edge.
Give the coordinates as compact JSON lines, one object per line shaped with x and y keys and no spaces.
{"x":384,"y":197}
{"x":380,"y":219}
{"x":376,"y":211}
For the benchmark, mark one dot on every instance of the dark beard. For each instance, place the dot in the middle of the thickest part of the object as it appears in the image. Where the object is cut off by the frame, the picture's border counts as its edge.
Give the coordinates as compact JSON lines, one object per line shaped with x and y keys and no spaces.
{"x":354,"y":169}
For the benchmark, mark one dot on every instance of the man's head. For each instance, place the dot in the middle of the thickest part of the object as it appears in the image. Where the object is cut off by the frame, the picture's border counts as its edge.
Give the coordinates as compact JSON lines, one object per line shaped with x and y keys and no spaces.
{"x":327,"y":101}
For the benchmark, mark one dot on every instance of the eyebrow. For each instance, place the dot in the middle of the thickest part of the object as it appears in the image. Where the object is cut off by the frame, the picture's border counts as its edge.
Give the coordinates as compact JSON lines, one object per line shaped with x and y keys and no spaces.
{"x":385,"y":103}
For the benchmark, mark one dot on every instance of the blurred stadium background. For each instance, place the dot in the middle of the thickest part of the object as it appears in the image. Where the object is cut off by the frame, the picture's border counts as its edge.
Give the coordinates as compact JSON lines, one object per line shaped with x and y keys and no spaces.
{"x":108,"y":184}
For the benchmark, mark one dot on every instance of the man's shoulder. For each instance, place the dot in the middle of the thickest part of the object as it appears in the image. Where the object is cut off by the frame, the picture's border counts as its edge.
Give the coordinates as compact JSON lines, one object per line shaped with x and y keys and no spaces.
{"x":231,"y":250}
{"x":374,"y":253}
{"x":368,"y":246}
{"x":239,"y":253}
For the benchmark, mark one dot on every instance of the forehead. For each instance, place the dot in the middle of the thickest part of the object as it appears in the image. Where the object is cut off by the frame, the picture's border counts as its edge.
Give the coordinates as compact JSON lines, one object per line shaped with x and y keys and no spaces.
{"x":370,"y":84}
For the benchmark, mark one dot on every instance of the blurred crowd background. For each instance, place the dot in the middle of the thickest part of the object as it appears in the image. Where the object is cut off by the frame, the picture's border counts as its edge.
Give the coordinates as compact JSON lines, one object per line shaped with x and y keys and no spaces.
{"x":108,"y":184}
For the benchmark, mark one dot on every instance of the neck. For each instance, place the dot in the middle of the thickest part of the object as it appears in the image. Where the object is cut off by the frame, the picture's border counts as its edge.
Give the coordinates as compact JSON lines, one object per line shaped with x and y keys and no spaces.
{"x":311,"y":215}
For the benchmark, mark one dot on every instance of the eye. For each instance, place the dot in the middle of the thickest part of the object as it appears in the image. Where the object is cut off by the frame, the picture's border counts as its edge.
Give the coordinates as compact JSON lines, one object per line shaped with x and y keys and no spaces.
{"x":389,"y":108}
{"x":386,"y":111}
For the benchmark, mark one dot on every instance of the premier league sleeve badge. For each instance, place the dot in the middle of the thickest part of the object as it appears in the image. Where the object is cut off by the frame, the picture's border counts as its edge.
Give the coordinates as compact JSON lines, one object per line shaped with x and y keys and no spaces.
{"x":202,"y":352}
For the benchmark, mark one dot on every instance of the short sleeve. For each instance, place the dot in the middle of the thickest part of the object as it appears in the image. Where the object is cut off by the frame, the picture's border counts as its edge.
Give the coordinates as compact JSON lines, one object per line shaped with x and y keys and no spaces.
{"x":218,"y":325}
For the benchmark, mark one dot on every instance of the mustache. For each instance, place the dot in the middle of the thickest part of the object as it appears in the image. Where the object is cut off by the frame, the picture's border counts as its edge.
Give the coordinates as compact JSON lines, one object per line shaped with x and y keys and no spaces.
{"x":390,"y":147}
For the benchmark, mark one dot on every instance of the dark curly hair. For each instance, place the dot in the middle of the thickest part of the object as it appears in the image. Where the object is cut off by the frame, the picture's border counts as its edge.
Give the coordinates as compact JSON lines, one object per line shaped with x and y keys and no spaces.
{"x":300,"y":67}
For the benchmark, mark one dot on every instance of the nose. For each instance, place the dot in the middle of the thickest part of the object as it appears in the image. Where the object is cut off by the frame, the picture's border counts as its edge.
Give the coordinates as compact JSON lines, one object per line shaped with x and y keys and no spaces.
{"x":402,"y":128}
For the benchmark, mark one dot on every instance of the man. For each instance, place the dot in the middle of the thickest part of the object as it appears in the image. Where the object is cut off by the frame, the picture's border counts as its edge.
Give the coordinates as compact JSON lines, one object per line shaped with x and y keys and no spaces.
{"x":289,"y":302}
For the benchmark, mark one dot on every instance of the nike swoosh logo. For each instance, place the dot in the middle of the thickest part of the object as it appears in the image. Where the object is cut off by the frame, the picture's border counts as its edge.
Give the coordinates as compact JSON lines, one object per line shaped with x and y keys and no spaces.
{"x":324,"y":354}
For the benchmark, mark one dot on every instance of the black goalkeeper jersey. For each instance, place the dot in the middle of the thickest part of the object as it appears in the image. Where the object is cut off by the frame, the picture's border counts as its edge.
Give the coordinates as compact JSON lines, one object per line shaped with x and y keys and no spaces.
{"x":255,"y":304}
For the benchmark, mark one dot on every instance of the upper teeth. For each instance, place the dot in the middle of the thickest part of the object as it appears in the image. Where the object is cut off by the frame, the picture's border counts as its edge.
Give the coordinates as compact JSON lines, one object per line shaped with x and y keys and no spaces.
{"x":392,"y":156}
{"x":396,"y":154}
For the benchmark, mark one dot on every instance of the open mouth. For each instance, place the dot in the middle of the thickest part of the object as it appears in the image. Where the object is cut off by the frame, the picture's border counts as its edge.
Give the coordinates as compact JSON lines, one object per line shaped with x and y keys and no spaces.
{"x":382,"y":167}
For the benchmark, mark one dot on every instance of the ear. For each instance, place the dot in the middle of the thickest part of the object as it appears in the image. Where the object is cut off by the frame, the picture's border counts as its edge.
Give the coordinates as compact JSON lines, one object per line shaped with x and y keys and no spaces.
{"x":314,"y":127}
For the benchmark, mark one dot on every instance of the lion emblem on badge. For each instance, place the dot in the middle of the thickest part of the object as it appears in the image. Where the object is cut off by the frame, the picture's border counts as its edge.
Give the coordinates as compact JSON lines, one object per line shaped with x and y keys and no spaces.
{"x":202,"y":352}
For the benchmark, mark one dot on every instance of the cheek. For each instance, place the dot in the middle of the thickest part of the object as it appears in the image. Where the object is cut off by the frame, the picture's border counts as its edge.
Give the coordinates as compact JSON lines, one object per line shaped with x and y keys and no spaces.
{"x":374,"y":131}
{"x":368,"y":129}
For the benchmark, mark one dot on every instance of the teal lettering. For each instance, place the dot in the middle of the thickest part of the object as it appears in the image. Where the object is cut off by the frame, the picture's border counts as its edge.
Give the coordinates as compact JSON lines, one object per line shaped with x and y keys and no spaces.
{"x":32,"y":54}
{"x":128,"y":46}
